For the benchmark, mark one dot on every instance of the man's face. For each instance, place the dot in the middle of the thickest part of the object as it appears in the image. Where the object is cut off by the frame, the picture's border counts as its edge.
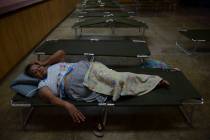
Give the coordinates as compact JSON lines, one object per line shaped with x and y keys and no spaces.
{"x":39,"y":71}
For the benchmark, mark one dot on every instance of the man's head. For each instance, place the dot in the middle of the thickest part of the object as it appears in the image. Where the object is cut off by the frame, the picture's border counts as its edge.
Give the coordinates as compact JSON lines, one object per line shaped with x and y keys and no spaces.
{"x":36,"y":70}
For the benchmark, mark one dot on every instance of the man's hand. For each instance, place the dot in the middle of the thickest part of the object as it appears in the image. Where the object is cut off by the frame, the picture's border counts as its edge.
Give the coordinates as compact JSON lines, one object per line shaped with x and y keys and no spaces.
{"x":38,"y":62}
{"x":58,"y":56}
{"x":76,"y":115}
{"x":46,"y":94}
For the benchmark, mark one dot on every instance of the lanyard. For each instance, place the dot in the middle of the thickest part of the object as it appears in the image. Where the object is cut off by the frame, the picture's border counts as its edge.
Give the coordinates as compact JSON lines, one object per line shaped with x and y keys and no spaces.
{"x":61,"y":87}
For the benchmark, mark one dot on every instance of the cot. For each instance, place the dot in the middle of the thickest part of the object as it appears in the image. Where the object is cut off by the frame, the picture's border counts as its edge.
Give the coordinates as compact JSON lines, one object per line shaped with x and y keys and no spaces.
{"x":105,"y":14}
{"x":118,"y":9}
{"x":97,"y":1}
{"x":179,"y":94}
{"x":196,"y":36}
{"x":113,"y":37}
{"x":103,"y":5}
{"x":110,"y":22}
{"x":95,"y":47}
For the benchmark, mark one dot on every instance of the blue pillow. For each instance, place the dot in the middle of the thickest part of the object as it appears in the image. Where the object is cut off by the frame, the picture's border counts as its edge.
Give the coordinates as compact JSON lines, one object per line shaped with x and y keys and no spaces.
{"x":25,"y":85}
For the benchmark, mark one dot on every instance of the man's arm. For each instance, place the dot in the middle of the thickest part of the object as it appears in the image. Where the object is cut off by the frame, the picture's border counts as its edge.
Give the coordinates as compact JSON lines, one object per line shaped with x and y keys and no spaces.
{"x":58,"y":56}
{"x":46,"y":93}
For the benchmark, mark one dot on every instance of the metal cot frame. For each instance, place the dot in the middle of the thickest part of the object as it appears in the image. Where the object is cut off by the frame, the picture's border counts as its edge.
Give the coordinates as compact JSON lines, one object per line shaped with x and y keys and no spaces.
{"x":188,"y":96}
{"x":83,"y":15}
{"x":110,"y":22}
{"x":196,"y":36}
{"x":96,"y":47}
{"x":180,"y":94}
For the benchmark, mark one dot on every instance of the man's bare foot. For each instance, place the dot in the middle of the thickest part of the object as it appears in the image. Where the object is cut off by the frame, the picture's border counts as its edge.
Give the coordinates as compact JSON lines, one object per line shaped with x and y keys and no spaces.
{"x":163,"y":84}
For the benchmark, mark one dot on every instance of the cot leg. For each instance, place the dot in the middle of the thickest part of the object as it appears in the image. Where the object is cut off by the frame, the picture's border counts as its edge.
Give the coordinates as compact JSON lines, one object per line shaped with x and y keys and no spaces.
{"x":113,"y":30}
{"x":90,"y":57}
{"x":140,"y":32}
{"x":143,"y":32}
{"x":105,"y":114}
{"x":141,"y":59}
{"x":178,"y":44}
{"x":39,"y":57}
{"x":188,"y":114}
{"x":99,"y":131}
{"x":102,"y":123}
{"x":194,"y":46}
{"x":26,"y":118}
{"x":80,"y":31}
{"x":75,"y":32}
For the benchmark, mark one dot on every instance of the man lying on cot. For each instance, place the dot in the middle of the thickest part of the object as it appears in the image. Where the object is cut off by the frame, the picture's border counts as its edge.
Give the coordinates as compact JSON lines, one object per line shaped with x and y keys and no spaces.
{"x":86,"y":81}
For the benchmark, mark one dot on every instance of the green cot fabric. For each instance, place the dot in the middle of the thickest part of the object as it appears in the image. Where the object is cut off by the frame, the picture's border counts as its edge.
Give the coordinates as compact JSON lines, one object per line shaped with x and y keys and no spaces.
{"x":96,"y":2}
{"x":36,"y":101}
{"x":113,"y":37}
{"x":180,"y":90}
{"x":197,"y":34}
{"x":102,"y":10}
{"x":110,"y":22}
{"x":106,"y":5}
{"x":126,"y":48}
{"x":101,"y":14}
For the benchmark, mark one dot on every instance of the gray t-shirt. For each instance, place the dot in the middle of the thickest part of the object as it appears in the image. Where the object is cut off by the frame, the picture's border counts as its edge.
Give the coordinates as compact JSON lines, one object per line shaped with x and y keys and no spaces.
{"x":74,"y":87}
{"x":55,"y":74}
